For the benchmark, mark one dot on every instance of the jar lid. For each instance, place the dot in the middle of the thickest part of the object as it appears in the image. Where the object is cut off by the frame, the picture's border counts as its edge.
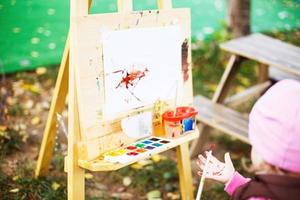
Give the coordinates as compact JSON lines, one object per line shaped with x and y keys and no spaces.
{"x":181,"y":113}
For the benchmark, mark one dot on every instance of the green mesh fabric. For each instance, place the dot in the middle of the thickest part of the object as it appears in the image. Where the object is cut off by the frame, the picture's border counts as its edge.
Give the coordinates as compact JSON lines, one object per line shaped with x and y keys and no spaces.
{"x":33,"y":32}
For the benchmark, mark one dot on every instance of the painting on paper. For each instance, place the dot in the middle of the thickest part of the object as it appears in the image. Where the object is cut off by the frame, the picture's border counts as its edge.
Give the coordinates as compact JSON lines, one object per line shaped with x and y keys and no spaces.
{"x":140,"y":66}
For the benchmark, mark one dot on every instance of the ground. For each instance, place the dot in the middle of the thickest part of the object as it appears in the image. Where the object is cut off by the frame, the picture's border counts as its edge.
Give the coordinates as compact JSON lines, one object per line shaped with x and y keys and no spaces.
{"x":25,"y":101}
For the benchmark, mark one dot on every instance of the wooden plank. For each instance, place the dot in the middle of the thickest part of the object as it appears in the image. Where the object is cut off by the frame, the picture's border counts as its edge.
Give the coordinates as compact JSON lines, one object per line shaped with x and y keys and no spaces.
{"x":125,"y":6}
{"x":164,"y":4}
{"x":99,"y":164}
{"x":75,"y":178}
{"x":91,"y":149}
{"x":185,"y":172}
{"x":222,"y":118}
{"x":250,"y":93}
{"x":75,"y":174}
{"x":266,"y":50}
{"x":268,"y":45}
{"x":57,"y":106}
{"x":277,"y":74}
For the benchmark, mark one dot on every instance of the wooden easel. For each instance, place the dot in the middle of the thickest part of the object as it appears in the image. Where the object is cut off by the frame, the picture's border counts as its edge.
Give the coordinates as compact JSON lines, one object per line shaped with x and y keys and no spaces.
{"x":75,"y":165}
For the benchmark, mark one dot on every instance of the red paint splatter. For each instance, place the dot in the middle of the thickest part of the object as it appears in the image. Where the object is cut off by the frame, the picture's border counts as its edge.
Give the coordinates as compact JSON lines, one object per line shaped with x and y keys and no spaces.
{"x":212,"y":147}
{"x":130,"y":80}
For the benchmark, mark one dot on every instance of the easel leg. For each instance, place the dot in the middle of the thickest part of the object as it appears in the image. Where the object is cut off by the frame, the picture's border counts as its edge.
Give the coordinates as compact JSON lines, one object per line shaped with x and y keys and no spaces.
{"x":76,"y":182}
{"x":219,"y":96}
{"x":185,"y":172}
{"x":57,"y":105}
{"x":75,"y":173}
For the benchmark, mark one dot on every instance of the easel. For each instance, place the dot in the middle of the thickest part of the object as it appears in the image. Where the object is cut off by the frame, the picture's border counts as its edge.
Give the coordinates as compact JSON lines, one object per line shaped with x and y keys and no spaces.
{"x":67,"y":77}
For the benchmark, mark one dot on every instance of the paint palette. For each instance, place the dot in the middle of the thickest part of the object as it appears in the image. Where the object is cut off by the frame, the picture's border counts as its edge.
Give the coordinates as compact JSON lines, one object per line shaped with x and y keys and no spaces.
{"x":137,"y":150}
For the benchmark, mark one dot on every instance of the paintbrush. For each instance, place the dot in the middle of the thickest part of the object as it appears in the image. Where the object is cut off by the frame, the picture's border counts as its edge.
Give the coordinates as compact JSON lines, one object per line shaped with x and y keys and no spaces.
{"x":201,"y":184}
{"x":176,"y":99}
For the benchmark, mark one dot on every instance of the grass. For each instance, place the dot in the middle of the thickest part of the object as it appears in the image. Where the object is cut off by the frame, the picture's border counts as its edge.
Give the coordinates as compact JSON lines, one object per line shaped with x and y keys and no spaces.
{"x":10,"y":141}
{"x":22,"y":185}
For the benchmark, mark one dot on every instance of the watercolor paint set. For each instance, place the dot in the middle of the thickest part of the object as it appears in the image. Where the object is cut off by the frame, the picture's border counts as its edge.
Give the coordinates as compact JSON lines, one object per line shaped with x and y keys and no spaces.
{"x":137,"y":150}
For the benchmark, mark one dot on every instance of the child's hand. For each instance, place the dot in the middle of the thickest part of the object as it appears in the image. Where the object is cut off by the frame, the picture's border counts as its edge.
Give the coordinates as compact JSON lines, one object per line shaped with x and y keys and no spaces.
{"x":217,"y":170}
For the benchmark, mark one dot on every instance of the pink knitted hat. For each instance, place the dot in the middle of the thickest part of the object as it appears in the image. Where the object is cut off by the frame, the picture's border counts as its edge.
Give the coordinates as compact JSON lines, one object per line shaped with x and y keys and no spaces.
{"x":274,"y":126}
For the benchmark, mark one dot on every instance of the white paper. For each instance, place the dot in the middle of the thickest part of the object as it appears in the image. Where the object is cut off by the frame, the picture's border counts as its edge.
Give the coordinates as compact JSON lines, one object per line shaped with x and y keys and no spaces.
{"x":138,"y":126}
{"x":149,"y":57}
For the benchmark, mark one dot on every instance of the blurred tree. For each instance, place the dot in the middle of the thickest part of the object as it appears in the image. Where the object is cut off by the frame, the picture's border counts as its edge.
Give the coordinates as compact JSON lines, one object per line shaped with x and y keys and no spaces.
{"x":239,"y":17}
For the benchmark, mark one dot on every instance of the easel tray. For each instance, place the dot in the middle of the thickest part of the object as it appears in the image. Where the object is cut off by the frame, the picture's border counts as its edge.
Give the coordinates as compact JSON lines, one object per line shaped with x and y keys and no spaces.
{"x":101,"y":164}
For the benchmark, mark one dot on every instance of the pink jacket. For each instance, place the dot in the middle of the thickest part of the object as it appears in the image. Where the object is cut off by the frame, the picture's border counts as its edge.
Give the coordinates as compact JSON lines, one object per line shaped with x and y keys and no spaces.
{"x":236,"y":181}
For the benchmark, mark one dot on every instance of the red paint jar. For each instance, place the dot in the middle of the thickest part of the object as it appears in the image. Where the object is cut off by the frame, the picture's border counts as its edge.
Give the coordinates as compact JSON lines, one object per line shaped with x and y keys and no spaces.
{"x":179,"y":123}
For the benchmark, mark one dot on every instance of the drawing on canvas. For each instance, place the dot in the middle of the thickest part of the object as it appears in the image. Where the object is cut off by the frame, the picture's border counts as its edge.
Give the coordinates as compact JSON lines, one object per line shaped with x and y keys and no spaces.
{"x":140,"y":66}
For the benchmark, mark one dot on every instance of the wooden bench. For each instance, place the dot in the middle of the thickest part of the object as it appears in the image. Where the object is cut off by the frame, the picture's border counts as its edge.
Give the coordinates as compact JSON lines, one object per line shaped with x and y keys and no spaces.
{"x":278,"y":60}
{"x":266,"y":50}
{"x":222,"y":118}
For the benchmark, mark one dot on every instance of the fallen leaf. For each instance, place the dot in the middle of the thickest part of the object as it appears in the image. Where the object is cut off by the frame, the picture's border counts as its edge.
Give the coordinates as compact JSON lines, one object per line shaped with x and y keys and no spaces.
{"x":123,"y":195}
{"x":167,"y":175}
{"x":154,"y":195}
{"x":127,"y":181}
{"x":18,"y":89}
{"x":15,"y":190}
{"x":35,"y":120}
{"x":3,"y":91}
{"x":244,"y":81}
{"x":4,"y":134}
{"x":145,"y":162}
{"x":28,"y":104}
{"x":239,"y":89}
{"x":31,"y":87}
{"x":45,"y":105}
{"x":38,"y":108}
{"x":16,"y":178}
{"x":136,"y":166}
{"x":212,"y":86}
{"x":121,"y":189}
{"x":41,"y":70}
{"x":3,"y":128}
{"x":88,"y":175}
{"x":173,"y":196}
{"x":11,"y":101}
{"x":156,"y":158}
{"x":22,"y":126}
{"x":55,"y":186}
{"x":24,"y":136}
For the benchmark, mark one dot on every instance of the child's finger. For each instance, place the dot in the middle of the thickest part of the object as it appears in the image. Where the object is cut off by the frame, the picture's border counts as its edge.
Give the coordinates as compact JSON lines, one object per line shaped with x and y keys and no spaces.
{"x":200,"y":165}
{"x":201,"y":158}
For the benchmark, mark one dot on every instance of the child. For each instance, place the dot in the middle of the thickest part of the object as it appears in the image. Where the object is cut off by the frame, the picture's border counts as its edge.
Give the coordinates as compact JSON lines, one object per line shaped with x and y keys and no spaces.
{"x":274,"y":133}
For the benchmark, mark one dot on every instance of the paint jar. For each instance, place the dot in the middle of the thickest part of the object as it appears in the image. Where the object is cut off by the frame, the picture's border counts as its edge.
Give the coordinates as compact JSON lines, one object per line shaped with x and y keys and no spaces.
{"x":159,"y":108}
{"x":179,"y":123}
